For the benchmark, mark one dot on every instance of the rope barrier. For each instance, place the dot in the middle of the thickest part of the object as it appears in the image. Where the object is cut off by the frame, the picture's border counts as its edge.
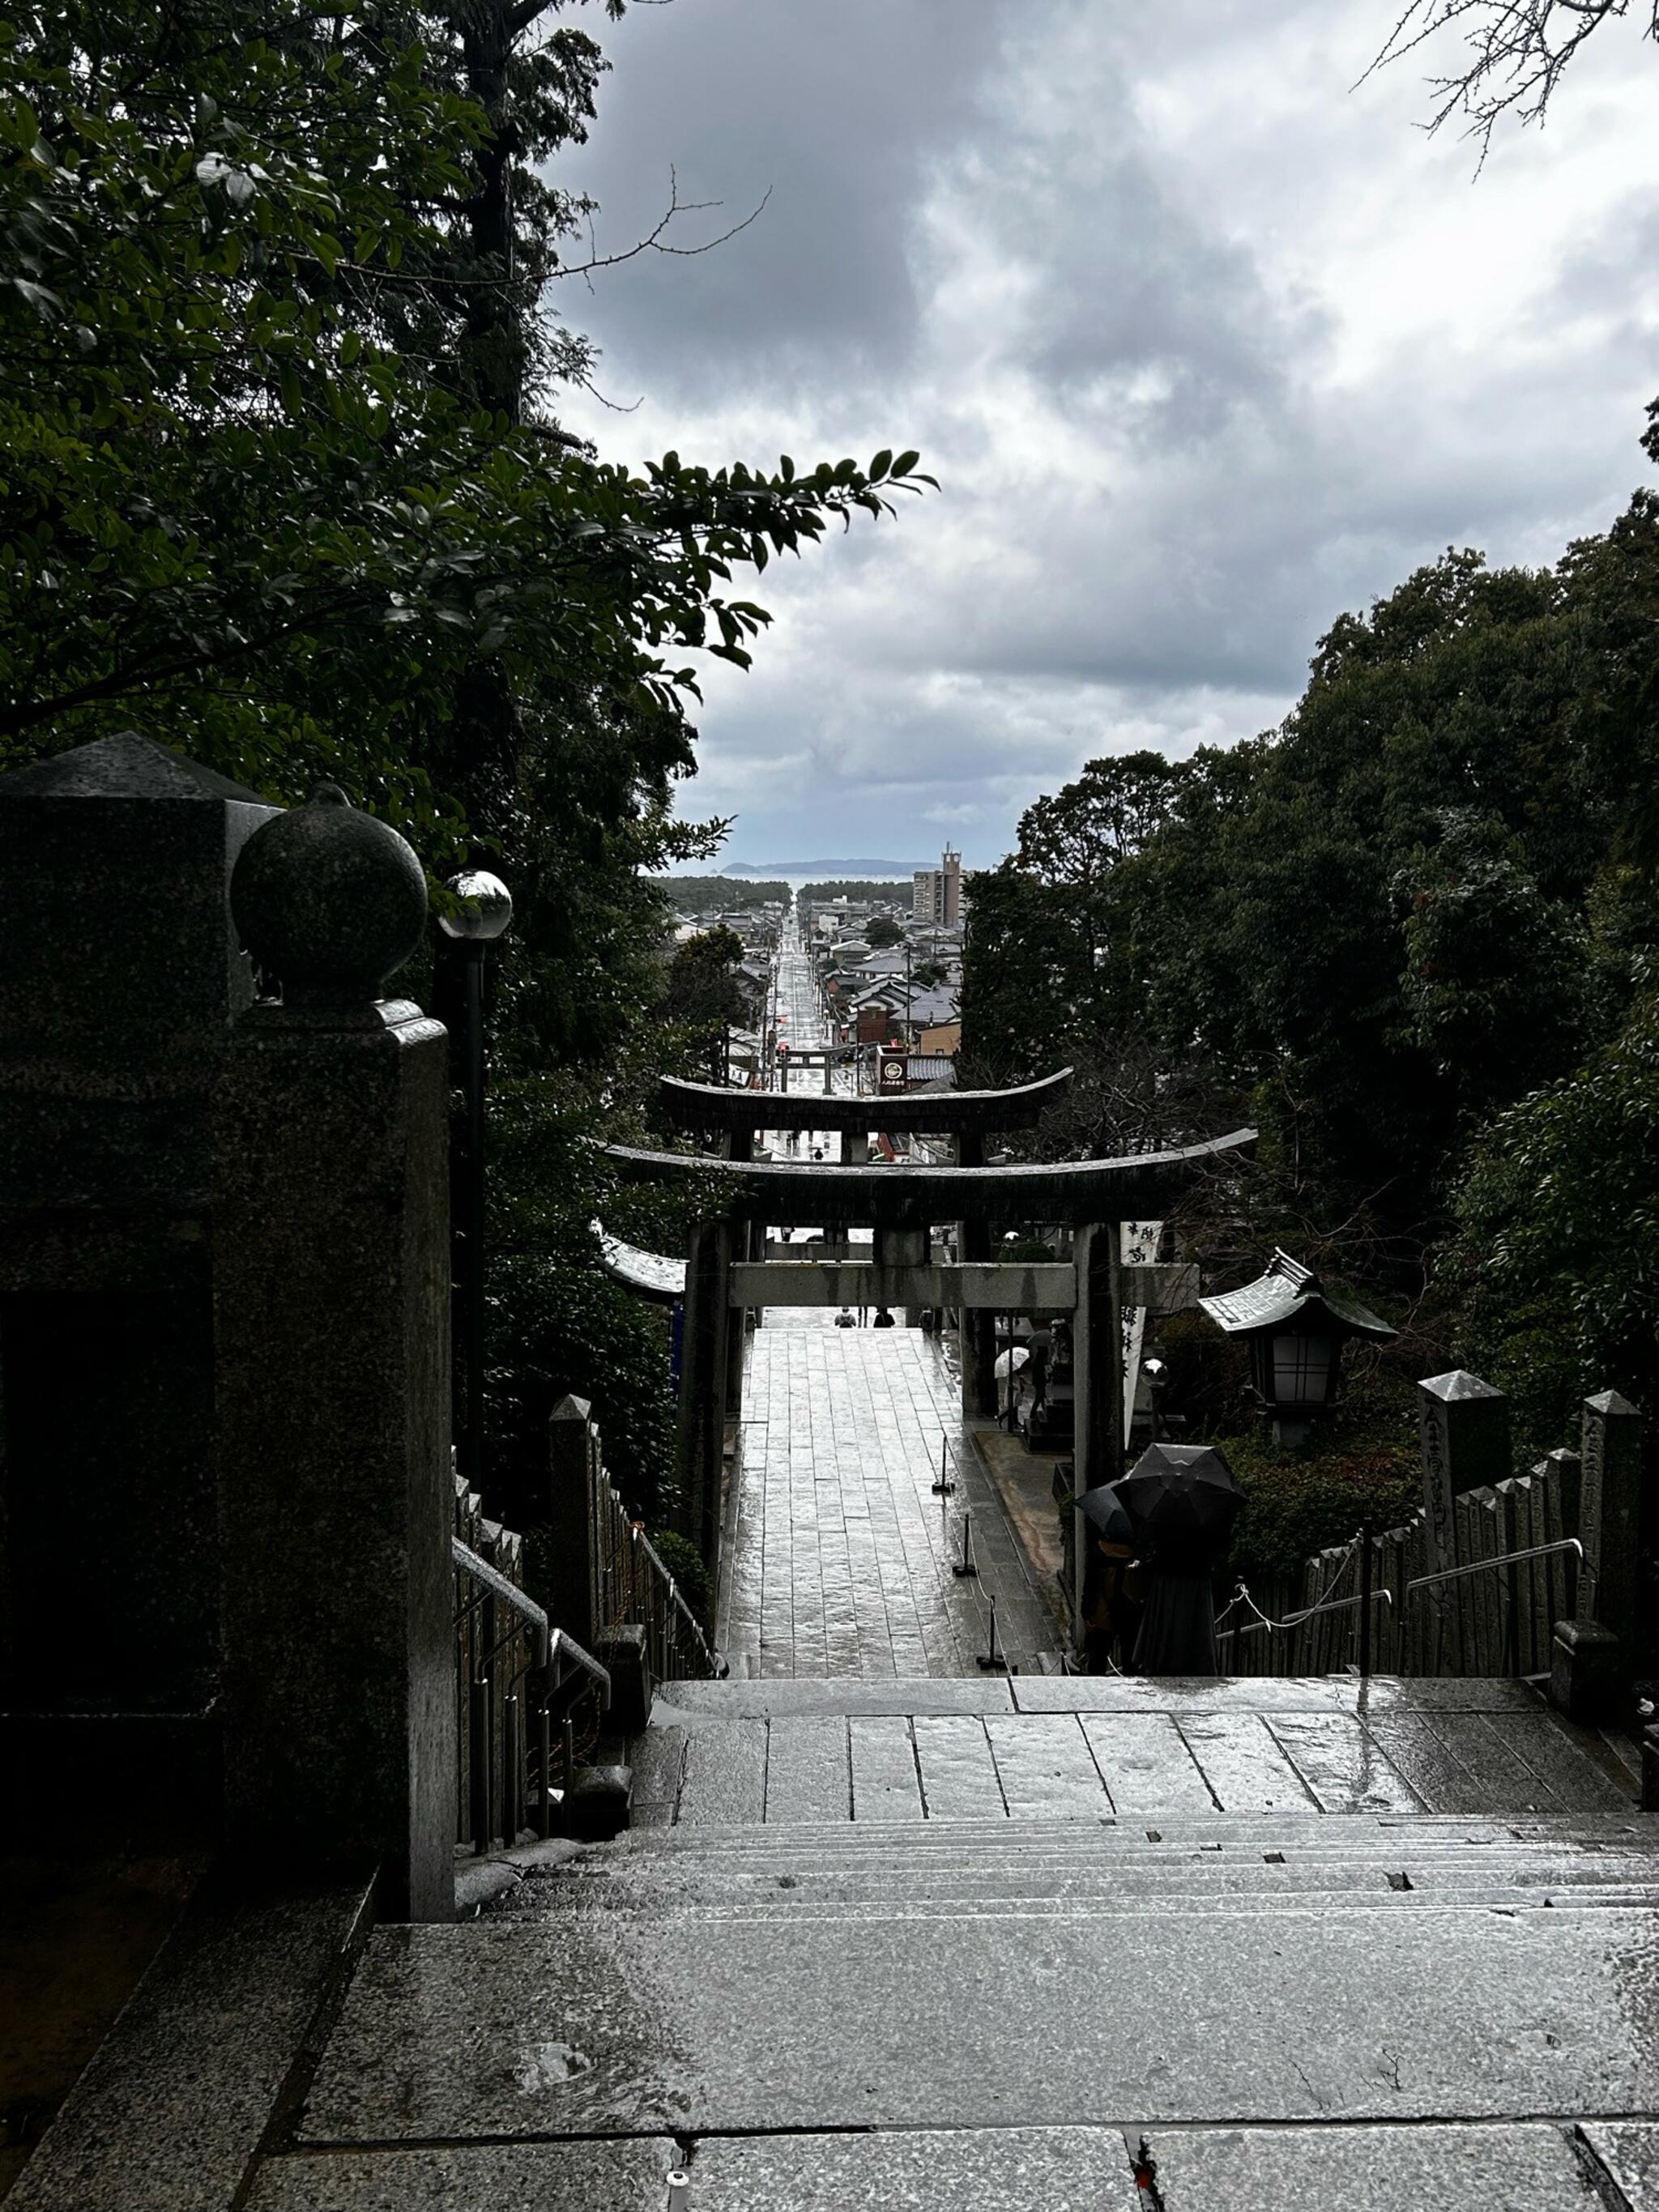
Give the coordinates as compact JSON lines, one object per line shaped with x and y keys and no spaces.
{"x":1241,"y":1594}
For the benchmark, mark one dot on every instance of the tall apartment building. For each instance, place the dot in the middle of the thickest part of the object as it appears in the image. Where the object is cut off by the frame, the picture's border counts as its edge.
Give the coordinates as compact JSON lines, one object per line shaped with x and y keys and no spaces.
{"x":936,"y":893}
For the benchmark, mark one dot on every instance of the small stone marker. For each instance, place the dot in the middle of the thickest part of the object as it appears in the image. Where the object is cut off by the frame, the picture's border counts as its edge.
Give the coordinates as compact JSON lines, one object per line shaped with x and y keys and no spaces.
{"x":1464,"y":1430}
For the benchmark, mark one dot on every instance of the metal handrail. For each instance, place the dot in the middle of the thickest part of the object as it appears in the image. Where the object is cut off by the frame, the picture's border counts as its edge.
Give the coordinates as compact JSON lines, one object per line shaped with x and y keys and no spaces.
{"x":471,"y":1562}
{"x":551,"y":1643}
{"x":674,"y":1598}
{"x":1503,"y":1559}
{"x":584,"y":1660}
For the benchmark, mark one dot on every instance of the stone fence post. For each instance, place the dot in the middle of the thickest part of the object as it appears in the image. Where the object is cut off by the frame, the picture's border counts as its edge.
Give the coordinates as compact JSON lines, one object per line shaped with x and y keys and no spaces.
{"x":590,"y":1564}
{"x":1595,"y":1655}
{"x":331,"y":1229}
{"x":1463,"y":1429}
{"x":568,"y":1590}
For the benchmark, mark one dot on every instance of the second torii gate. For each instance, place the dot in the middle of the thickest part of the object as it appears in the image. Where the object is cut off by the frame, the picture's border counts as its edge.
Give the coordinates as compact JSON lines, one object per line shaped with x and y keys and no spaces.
{"x":969,"y":1119}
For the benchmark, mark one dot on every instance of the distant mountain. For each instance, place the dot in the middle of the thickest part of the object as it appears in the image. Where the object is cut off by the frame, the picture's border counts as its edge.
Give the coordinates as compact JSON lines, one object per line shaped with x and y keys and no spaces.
{"x":831,"y":868}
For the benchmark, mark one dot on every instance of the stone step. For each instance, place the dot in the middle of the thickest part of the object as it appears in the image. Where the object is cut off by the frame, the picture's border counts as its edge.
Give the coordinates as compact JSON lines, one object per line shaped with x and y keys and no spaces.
{"x":1389,"y":2168}
{"x":715,"y":1766}
{"x":995,"y":1877}
{"x":782,"y":1696}
{"x":1414,"y":1886}
{"x":1131,"y":1902}
{"x":569,"y":2025}
{"x":1253,"y":1831}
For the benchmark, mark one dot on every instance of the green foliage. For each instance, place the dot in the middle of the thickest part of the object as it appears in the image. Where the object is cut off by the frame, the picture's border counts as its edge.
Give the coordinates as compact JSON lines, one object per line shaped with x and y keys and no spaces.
{"x":265,"y":491}
{"x":685,"y":1562}
{"x":702,"y":994}
{"x":1412,"y":935}
{"x":881,"y":931}
{"x":1300,"y":1503}
{"x":884,"y":893}
{"x":1554,"y":1247}
{"x":717,"y":893}
{"x":1386,"y":920}
{"x":284,"y":486}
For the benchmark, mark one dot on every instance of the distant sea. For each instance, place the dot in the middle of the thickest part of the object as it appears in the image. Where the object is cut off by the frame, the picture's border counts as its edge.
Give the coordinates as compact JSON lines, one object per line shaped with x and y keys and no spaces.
{"x":816,"y":871}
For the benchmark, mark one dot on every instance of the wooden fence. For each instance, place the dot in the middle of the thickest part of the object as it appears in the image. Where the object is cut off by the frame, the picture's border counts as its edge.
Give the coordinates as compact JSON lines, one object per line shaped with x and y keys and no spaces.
{"x":1498,"y":1620}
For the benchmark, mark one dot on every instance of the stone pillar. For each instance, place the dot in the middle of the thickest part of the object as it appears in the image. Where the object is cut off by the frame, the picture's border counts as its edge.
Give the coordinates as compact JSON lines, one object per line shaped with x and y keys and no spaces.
{"x":1609,"y":1514}
{"x":1097,"y":1370}
{"x":893,"y":1249}
{"x":1463,"y":1429}
{"x":703,"y":1385}
{"x":1592,"y":1656}
{"x":976,"y":1327}
{"x":567,"y":1591}
{"x":740,"y":1145}
{"x":331,"y":1340}
{"x":119,"y":978}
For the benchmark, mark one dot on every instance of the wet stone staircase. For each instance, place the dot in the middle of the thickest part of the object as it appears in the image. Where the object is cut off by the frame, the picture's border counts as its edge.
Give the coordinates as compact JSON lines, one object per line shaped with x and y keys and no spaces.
{"x":1044,"y":1945}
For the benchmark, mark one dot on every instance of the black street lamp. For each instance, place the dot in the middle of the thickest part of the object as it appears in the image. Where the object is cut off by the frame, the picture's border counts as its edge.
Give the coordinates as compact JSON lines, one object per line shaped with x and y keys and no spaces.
{"x":1296,"y":1329}
{"x":486,"y":911}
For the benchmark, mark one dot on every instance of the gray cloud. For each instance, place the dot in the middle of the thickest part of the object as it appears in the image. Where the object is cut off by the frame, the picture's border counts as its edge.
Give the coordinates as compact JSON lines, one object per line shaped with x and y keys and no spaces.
{"x":1203,"y":350}
{"x":835,"y":113}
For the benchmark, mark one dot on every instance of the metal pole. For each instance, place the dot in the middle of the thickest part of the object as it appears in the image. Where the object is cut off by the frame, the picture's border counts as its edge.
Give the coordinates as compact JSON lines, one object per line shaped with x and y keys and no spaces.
{"x":992,"y":1661}
{"x":1364,"y":1601}
{"x":511,"y":1771}
{"x":544,"y":1761}
{"x":477,"y":1762}
{"x":965,"y":1565}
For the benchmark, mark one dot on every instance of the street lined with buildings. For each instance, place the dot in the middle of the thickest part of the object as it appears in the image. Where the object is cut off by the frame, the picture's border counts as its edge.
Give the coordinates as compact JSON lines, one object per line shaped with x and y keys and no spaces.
{"x":840,"y":1559}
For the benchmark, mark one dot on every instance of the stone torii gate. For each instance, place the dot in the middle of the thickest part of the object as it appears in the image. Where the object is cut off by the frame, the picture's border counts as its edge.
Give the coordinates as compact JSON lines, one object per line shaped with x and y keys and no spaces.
{"x":902,"y":1204}
{"x":967,"y":1119}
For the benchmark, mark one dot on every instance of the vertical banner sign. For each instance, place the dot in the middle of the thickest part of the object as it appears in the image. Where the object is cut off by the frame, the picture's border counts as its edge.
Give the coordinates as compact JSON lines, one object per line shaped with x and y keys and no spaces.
{"x":895,"y":1070}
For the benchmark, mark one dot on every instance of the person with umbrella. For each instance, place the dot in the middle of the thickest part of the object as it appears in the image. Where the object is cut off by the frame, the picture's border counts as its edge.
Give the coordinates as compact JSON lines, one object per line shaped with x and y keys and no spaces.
{"x":1182,"y":1501}
{"x":1115,"y":1614}
{"x":1005,"y":1368}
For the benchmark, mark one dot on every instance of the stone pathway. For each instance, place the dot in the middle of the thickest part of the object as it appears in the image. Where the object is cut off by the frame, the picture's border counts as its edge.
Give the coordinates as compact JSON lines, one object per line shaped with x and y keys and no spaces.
{"x":1098,"y":1748}
{"x":839,"y":1560}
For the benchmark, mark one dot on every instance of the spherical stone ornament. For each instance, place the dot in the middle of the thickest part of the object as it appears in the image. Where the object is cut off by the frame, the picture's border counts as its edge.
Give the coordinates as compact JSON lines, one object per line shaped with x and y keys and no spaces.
{"x":487,"y":906}
{"x":328,"y":900}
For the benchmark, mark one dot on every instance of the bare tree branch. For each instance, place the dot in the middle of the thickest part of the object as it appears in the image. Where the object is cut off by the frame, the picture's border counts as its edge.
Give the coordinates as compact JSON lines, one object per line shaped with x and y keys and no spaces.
{"x":1518,"y":50}
{"x":654,"y":240}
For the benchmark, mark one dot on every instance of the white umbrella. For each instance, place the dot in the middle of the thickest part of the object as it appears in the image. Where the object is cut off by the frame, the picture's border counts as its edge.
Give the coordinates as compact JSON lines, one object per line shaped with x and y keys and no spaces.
{"x":1010,"y":1362}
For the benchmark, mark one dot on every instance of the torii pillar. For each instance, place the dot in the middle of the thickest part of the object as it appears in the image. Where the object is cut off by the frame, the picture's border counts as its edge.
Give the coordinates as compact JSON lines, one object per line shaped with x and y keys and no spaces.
{"x":1097,"y":1355}
{"x":704,"y":1359}
{"x":740,"y":1145}
{"x":977,"y":1328}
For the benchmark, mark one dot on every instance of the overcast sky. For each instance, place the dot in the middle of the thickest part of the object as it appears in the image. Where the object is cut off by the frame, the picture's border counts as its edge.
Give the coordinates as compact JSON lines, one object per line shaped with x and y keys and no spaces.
{"x":1203,"y":345}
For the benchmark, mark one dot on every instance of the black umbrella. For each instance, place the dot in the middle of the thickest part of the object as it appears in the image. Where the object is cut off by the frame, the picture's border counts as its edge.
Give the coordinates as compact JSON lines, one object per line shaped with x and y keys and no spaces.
{"x":1182,"y":1495}
{"x":1104,"y":1510}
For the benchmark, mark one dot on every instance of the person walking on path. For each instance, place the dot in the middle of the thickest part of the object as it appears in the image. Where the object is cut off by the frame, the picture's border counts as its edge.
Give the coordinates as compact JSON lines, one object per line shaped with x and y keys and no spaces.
{"x":1182,"y":1502}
